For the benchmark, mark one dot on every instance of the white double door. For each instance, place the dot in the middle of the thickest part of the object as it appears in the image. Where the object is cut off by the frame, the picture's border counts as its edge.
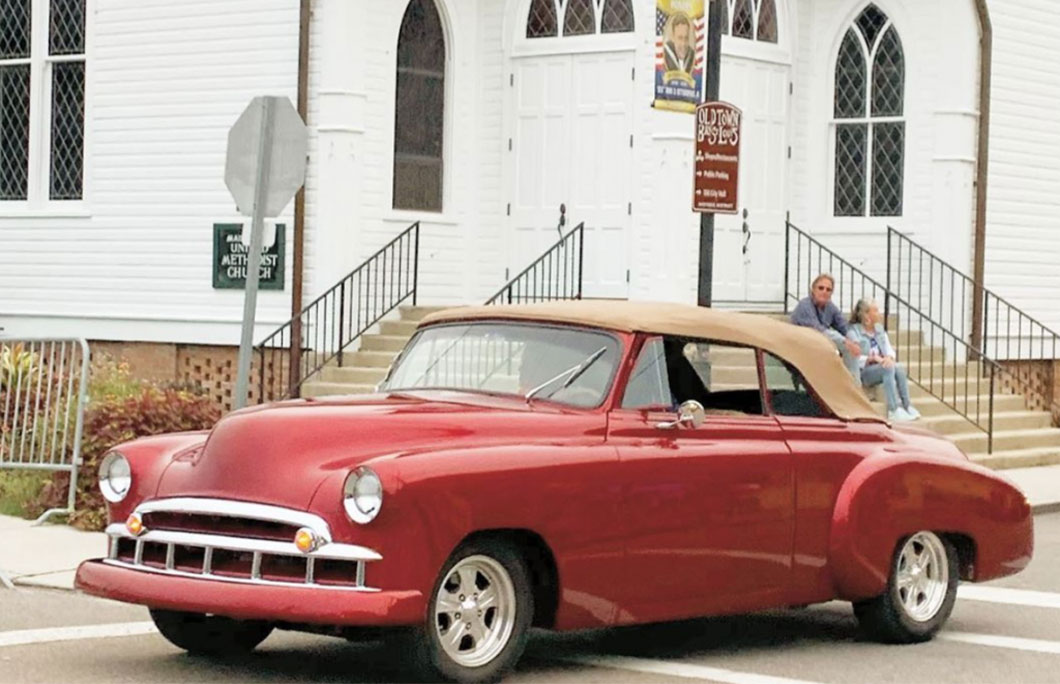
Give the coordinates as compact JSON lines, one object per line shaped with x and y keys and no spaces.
{"x":571,"y":145}
{"x":749,"y":246}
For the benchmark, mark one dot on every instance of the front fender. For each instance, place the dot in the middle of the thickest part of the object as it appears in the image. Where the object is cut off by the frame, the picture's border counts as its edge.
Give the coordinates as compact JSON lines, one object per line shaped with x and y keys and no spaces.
{"x":567,"y":495}
{"x":149,"y":457}
{"x":890,"y":496}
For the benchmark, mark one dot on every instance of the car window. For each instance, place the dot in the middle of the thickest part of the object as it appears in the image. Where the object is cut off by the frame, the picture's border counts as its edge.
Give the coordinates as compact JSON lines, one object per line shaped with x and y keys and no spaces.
{"x":789,"y":393}
{"x":510,"y":358}
{"x":671,"y":370}
{"x":648,"y":386}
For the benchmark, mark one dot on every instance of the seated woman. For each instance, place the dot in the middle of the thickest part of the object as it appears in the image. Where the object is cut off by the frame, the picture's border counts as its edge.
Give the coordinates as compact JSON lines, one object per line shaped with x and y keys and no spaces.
{"x":877,"y":361}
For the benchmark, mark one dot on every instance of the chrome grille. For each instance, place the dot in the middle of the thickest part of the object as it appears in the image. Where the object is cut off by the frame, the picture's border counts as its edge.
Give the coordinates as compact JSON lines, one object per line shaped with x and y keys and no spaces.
{"x":221,"y":555}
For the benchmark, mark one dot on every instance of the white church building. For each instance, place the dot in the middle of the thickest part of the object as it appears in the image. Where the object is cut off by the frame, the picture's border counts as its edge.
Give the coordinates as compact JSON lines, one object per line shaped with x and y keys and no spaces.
{"x":479,"y":118}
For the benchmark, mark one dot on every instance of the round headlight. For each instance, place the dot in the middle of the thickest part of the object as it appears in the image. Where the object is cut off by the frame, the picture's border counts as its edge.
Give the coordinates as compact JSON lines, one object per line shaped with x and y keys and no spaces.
{"x":362,"y":496}
{"x":115,"y":477}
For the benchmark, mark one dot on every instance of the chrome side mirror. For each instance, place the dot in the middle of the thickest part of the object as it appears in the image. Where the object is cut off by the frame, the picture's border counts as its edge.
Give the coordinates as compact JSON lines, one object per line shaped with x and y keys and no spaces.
{"x":689,"y":414}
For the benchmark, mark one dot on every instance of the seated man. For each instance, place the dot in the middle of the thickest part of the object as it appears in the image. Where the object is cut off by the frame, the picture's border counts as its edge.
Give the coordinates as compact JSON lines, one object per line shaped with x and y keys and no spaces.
{"x":818,"y":312}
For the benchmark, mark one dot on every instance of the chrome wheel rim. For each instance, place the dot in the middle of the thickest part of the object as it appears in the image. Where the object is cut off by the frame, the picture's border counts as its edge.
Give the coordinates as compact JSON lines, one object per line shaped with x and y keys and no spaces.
{"x":474,"y":611}
{"x":922,"y":576}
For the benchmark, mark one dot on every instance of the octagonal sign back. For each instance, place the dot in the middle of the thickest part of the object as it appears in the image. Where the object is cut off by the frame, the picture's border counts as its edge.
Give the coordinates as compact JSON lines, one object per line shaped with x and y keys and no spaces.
{"x":287,"y":155}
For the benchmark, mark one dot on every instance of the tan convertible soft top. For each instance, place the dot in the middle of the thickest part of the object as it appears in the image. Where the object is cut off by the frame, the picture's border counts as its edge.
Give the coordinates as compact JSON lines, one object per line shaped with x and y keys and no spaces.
{"x":809,"y":351}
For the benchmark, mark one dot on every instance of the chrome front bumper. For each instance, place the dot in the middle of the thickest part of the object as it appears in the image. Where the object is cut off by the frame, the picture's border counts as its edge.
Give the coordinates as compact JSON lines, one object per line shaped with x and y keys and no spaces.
{"x":239,"y":559}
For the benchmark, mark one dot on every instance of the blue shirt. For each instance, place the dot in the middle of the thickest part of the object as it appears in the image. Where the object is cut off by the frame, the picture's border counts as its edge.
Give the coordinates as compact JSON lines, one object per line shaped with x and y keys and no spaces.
{"x":830,"y":317}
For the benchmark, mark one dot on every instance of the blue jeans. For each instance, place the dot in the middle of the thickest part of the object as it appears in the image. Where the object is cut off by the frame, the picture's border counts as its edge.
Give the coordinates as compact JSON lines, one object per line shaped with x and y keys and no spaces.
{"x":895,"y":383}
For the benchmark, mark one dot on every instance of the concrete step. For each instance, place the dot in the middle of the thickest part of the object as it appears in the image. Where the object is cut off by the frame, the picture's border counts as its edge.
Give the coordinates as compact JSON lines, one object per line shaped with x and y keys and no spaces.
{"x":326,"y":389}
{"x":954,"y":424}
{"x":389,"y":343}
{"x":417,"y":313}
{"x":906,"y":337}
{"x":919,"y":354}
{"x":399,"y":327}
{"x":1018,"y":458}
{"x":949,"y":387}
{"x":353,"y":375}
{"x":1005,"y":440}
{"x":369,"y":359}
{"x":930,"y":406}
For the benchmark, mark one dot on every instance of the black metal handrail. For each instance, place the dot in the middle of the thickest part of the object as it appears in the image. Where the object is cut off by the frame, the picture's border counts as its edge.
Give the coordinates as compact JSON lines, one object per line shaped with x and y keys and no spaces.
{"x":332,"y":321}
{"x":948,"y":296}
{"x":967,"y":388}
{"x":556,"y":274}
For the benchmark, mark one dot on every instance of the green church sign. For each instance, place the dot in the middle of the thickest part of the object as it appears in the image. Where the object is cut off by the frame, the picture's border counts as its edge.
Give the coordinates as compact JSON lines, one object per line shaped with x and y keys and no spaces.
{"x":230,"y":259}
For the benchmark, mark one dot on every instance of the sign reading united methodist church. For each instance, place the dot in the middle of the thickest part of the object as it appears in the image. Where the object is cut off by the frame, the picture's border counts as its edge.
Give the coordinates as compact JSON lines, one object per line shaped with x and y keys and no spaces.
{"x":717,"y":167}
{"x":230,"y":256}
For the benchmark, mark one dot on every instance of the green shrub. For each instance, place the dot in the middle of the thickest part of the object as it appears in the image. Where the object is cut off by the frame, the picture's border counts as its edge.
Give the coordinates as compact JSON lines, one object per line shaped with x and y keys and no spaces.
{"x":19,"y":490}
{"x":111,"y":419}
{"x":17,"y":366}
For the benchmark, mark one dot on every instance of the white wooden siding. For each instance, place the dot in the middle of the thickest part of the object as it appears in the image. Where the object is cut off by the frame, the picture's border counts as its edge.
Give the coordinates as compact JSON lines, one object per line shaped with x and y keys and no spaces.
{"x":1023,"y":225}
{"x":166,"y":81}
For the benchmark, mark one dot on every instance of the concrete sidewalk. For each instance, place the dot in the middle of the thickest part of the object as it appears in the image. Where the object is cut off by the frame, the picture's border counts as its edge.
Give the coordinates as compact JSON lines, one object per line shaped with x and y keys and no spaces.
{"x":48,"y":555}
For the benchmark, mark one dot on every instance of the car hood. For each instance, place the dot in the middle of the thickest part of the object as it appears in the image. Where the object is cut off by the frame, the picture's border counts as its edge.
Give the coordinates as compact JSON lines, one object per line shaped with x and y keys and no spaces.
{"x":281,"y":453}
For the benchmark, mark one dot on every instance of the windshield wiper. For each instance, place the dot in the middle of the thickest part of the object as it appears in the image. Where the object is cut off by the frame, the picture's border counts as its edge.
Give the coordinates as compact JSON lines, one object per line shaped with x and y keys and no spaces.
{"x":575,"y":372}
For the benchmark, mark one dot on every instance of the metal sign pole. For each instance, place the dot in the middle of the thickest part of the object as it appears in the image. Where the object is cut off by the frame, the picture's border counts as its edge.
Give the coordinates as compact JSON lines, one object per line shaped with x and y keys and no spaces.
{"x":257,"y":228}
{"x":712,"y":92}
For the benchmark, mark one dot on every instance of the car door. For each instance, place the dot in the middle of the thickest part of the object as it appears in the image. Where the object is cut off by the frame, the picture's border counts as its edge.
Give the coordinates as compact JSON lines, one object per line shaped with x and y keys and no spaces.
{"x":707,"y":511}
{"x":824,"y":450}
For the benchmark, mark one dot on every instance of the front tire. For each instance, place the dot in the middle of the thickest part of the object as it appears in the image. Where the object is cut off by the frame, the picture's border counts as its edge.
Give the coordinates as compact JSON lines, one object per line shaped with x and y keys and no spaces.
{"x":210,"y":635}
{"x":479,"y":615}
{"x":921,"y":591}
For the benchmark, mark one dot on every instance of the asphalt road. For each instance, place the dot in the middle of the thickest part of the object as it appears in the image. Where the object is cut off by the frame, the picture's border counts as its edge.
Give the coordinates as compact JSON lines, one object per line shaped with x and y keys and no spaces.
{"x":1007,"y":631}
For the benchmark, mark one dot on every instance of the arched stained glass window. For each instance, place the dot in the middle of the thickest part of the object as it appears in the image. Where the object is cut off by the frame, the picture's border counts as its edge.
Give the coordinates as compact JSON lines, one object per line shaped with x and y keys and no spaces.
{"x":850,"y":78}
{"x":617,"y":16}
{"x":541,"y":23}
{"x":743,"y":20}
{"x":869,"y":109}
{"x":767,"y":21}
{"x":419,"y":109}
{"x":888,"y":76}
{"x":579,"y":17}
{"x":750,"y":19}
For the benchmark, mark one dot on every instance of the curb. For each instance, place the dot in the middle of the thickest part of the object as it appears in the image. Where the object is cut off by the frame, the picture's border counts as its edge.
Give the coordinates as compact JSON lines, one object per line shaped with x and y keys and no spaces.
{"x":1042,"y":508}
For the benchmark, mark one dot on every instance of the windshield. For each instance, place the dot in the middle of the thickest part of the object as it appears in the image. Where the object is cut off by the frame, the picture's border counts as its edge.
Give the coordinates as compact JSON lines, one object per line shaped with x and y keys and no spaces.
{"x":509,"y":358}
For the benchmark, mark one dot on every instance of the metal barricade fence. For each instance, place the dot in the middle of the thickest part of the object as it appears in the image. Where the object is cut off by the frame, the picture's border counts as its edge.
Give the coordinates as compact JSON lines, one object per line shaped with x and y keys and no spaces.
{"x":43,"y":387}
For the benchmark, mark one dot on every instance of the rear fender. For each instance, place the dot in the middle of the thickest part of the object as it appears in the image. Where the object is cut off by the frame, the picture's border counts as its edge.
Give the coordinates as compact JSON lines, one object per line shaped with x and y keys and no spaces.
{"x":891,"y":496}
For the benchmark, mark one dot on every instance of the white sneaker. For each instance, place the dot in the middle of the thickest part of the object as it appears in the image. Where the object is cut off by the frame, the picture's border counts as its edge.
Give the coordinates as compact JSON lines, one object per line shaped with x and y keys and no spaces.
{"x":913,"y":413}
{"x":899,"y":415}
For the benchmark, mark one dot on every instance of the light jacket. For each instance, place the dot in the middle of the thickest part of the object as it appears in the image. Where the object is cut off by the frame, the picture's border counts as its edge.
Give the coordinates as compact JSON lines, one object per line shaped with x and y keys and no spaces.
{"x":862,"y":336}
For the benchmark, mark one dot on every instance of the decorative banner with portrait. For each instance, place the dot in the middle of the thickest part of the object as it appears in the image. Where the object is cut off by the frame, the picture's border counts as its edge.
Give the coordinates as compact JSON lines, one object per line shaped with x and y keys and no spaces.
{"x":680,"y":36}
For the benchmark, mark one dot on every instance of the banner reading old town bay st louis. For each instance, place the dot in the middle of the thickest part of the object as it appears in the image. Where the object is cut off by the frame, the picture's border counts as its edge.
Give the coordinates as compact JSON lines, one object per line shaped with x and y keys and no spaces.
{"x":680,"y":34}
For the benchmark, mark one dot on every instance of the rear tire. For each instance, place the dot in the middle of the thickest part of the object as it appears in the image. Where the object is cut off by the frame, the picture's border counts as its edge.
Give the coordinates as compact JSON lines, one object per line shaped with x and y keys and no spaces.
{"x":478,"y":618}
{"x":921,"y":591}
{"x":210,"y":635}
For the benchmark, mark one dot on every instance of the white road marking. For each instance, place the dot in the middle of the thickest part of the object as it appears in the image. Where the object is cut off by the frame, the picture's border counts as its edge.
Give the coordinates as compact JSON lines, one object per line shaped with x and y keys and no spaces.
{"x":43,"y":636}
{"x":676,"y":669}
{"x":1014,"y":597}
{"x":1017,"y":643}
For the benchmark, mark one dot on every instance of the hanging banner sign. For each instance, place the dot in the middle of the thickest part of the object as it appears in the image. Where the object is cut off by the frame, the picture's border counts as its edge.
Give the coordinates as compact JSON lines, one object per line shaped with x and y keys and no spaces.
{"x":680,"y":37}
{"x":717,"y":167}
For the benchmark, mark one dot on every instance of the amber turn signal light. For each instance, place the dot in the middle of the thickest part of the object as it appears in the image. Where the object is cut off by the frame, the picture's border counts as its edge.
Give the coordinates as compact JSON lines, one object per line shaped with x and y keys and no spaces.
{"x":305,"y":540}
{"x":134,"y":524}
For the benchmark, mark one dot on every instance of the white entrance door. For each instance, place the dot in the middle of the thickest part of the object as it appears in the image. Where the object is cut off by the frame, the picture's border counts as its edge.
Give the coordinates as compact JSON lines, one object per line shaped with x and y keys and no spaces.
{"x":749,"y":246}
{"x":571,"y":145}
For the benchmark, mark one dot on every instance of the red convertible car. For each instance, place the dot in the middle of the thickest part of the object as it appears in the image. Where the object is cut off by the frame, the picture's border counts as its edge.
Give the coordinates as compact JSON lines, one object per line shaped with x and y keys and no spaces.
{"x":565,"y":466}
